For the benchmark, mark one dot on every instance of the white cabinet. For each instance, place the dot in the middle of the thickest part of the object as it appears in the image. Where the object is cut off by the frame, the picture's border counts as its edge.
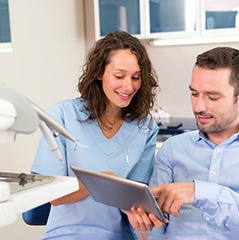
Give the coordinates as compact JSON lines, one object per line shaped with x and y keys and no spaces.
{"x":162,"y":19}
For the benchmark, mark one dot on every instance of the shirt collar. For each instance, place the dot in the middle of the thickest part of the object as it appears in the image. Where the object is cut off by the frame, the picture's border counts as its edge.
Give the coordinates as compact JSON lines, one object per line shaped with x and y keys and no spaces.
{"x":198,"y":136}
{"x":201,"y":136}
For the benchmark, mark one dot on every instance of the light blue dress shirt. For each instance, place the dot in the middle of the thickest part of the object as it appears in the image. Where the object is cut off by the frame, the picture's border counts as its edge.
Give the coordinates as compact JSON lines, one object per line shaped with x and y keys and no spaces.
{"x":130,"y":154}
{"x":215,"y":170}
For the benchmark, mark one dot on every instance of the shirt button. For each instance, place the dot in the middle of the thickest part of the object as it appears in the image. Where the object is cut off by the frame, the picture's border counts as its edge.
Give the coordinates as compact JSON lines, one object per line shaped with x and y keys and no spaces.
{"x":218,"y":150}
{"x":201,"y":208}
{"x":214,"y":173}
{"x":227,"y":225}
{"x":207,"y":218}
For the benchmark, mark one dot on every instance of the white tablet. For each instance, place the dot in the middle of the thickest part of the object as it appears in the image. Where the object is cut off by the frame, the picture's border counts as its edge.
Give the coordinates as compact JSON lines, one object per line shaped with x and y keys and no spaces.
{"x":118,"y":192}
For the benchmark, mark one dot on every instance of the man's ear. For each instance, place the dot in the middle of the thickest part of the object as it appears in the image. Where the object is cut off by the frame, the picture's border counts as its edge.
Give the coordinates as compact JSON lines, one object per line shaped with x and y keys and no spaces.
{"x":238,"y":99}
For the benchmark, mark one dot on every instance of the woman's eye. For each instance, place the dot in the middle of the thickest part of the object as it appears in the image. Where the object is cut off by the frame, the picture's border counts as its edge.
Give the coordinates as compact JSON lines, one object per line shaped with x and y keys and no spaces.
{"x":135,"y":78}
{"x":118,"y":77}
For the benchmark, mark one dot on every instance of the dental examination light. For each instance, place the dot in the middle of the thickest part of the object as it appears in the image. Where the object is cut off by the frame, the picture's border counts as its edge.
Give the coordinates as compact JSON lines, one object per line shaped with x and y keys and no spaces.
{"x":21,"y":115}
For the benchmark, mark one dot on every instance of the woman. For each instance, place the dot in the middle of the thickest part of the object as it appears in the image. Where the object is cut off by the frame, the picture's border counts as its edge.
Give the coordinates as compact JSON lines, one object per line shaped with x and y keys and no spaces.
{"x":112,"y":117}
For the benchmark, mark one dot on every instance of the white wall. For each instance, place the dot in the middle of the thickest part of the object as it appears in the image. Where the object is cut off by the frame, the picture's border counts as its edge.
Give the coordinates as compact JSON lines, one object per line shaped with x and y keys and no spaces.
{"x":48,"y":51}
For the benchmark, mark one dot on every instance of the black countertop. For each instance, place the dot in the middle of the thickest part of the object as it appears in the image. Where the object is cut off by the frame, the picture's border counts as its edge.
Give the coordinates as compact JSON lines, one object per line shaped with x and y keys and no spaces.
{"x":174,"y":126}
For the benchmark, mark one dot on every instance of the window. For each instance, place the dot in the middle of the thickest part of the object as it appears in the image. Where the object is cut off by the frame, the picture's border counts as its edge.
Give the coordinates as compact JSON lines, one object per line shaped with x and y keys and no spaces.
{"x":172,"y":16}
{"x":5,"y":33}
{"x":168,"y":22}
{"x":196,"y":21}
{"x":221,"y":14}
{"x":119,"y":15}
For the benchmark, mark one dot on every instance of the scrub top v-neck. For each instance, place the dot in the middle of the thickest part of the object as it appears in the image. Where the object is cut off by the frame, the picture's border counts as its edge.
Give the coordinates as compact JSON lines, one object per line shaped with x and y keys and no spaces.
{"x":129,"y":153}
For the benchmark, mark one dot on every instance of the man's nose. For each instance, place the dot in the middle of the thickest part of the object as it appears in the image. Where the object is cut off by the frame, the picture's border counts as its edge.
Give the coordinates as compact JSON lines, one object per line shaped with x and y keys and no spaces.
{"x":199,"y":104}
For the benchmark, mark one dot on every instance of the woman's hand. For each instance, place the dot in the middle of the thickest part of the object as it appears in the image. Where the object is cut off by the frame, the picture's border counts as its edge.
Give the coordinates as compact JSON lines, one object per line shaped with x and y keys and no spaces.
{"x":111,"y":173}
{"x":141,"y":221}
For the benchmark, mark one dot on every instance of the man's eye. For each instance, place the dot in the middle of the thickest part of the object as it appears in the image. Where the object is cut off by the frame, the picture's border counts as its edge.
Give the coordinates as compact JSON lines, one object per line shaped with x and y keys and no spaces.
{"x":194,"y":94}
{"x":213,"y":98}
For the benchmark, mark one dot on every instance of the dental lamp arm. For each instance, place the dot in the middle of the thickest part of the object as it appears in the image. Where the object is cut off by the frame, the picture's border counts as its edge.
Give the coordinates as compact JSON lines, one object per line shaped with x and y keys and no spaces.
{"x":50,"y":139}
{"x":27,"y":117}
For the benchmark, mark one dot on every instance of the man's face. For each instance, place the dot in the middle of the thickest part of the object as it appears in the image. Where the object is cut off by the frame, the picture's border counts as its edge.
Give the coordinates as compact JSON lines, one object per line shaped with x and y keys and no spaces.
{"x":215,"y":108}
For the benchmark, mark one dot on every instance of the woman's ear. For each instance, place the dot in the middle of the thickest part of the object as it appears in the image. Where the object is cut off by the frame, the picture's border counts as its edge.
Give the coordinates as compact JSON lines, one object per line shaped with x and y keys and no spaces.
{"x":99,"y":78}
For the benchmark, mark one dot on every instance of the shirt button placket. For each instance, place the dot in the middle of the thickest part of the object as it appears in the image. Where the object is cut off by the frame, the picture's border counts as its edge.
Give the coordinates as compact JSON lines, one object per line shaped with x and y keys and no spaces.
{"x":215,"y":164}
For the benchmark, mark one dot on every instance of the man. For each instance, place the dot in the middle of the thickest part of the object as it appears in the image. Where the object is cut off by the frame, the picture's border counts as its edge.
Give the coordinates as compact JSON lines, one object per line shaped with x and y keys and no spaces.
{"x":196,"y":174}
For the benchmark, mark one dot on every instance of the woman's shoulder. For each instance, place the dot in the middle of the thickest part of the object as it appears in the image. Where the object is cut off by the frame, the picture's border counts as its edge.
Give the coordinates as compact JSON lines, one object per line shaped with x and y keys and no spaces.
{"x":66,"y":103}
{"x":147,"y":125}
{"x":69,"y":104}
{"x":150,"y":122}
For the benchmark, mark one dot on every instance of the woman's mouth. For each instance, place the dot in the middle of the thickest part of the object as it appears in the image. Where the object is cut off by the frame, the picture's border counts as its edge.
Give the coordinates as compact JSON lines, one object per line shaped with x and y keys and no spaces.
{"x":124,"y":95}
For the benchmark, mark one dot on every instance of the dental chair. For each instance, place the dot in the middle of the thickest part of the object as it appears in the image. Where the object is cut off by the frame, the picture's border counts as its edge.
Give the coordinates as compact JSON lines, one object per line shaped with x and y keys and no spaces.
{"x":37,"y":216}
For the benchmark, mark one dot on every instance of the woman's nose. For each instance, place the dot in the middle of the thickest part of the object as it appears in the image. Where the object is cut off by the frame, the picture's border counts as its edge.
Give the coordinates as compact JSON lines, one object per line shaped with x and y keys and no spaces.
{"x":127,"y":84}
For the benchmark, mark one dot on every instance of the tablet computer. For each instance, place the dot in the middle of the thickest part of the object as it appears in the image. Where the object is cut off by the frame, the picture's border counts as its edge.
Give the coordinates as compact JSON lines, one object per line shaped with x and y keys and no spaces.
{"x":118,"y":192}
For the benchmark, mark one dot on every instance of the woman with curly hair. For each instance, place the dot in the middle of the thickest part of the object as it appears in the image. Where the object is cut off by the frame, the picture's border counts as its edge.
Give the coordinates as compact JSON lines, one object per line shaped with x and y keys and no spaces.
{"x":112,"y":117}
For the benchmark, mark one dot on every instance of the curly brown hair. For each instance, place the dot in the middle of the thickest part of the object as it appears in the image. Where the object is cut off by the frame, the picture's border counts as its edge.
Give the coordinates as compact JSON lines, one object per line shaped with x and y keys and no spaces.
{"x":98,"y":58}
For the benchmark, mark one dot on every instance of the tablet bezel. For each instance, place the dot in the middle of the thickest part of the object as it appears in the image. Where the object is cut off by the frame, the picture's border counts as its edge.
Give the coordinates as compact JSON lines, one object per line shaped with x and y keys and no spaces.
{"x":118,"y":192}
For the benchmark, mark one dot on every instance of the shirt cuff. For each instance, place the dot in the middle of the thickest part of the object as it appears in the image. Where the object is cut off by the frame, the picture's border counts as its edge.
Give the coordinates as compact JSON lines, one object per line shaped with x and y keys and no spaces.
{"x":206,"y":196}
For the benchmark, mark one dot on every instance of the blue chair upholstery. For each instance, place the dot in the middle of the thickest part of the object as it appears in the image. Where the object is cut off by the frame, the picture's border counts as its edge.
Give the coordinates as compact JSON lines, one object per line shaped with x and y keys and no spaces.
{"x":37,"y":216}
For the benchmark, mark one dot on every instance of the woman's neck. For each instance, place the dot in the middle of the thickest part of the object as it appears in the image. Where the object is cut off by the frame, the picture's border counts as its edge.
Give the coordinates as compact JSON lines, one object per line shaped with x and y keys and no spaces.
{"x":111,"y":122}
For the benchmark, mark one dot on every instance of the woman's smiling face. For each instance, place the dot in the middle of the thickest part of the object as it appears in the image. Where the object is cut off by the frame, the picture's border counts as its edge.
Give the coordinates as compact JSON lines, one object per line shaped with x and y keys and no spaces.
{"x":122,"y":78}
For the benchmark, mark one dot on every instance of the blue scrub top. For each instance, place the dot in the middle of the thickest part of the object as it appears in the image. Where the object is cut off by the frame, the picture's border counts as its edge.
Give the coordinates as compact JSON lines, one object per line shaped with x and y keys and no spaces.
{"x":129,"y":153}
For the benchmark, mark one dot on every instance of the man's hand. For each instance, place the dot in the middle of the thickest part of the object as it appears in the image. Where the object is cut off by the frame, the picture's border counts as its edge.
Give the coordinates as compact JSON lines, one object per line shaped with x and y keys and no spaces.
{"x":170,"y":197}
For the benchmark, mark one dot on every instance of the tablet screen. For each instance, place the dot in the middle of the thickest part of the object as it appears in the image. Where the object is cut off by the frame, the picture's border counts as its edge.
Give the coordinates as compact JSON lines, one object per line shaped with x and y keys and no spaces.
{"x":118,"y":192}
